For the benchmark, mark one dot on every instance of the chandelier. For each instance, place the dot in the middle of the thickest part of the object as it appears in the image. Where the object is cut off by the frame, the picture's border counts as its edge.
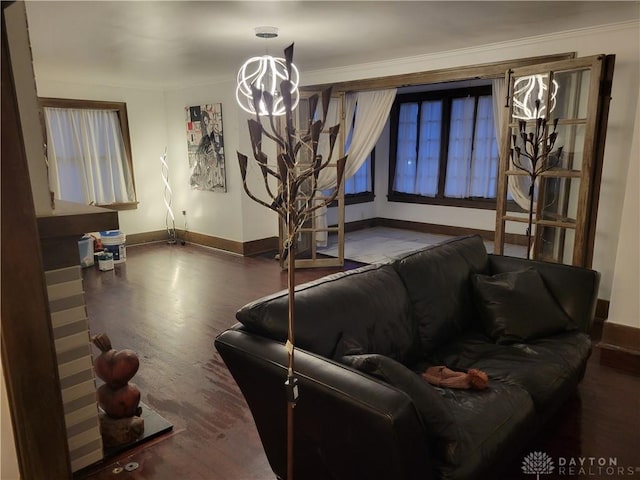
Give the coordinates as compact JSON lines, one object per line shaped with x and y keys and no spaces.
{"x":264,"y":74}
{"x":529,"y":96}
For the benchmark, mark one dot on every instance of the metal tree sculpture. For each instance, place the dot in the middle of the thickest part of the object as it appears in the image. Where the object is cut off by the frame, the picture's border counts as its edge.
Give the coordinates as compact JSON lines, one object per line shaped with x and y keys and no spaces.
{"x":296,"y":170}
{"x":535,"y":148}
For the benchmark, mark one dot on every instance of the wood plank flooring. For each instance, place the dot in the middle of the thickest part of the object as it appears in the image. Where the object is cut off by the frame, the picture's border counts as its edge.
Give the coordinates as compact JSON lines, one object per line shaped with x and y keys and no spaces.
{"x":168,"y":303}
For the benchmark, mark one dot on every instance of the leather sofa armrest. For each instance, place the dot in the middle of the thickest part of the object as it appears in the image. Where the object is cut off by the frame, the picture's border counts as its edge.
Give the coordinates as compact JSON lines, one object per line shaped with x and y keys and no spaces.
{"x":347,"y":424}
{"x":575,"y":288}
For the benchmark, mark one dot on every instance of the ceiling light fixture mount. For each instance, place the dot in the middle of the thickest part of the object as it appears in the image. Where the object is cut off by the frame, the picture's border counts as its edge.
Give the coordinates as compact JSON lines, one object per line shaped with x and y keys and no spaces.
{"x":266,"y":32}
{"x":264,"y":76}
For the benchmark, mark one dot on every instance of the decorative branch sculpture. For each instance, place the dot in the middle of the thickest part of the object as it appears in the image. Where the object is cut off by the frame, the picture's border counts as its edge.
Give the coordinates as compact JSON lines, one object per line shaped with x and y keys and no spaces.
{"x":535,"y":148}
{"x":296,"y":170}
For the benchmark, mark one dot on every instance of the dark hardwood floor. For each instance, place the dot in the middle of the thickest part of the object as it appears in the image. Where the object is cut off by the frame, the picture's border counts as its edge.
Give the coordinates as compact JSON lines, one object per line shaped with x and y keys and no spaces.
{"x":168,"y":303}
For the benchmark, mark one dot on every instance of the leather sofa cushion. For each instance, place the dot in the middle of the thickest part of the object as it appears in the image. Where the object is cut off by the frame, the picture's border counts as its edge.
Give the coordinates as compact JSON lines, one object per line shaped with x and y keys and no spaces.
{"x":467,"y":429}
{"x":547,"y":368}
{"x":438,"y":283}
{"x":517,"y":307}
{"x":440,"y":426}
{"x":365,"y":310}
{"x":575,"y":288}
{"x":493,"y":421}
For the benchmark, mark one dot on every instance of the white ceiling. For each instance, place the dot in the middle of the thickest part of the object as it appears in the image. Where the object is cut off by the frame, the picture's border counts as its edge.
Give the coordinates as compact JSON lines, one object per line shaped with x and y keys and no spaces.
{"x":168,"y":44}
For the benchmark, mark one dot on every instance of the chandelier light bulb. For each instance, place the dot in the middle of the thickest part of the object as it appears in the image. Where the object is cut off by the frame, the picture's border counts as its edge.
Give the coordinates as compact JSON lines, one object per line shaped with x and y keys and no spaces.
{"x":266,"y":73}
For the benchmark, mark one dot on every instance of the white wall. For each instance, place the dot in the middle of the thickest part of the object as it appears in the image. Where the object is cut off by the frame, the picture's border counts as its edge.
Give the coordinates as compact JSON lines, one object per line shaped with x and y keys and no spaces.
{"x":157,"y":120}
{"x":231,"y":215}
{"x":625,"y":301}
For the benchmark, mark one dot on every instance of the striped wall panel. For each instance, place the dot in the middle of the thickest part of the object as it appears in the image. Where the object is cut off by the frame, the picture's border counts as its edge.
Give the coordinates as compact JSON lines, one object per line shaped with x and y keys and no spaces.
{"x":75,"y":367}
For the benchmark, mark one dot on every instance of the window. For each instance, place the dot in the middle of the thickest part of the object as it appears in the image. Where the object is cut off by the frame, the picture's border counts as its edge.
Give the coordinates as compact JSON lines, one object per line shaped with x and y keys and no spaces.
{"x":361,"y":181}
{"x":443,"y":148}
{"x":89,"y":152}
{"x":359,"y":187}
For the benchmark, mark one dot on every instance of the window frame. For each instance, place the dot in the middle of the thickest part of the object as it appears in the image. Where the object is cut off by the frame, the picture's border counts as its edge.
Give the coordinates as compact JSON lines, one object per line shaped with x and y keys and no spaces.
{"x":121,"y":109}
{"x":446,"y":95}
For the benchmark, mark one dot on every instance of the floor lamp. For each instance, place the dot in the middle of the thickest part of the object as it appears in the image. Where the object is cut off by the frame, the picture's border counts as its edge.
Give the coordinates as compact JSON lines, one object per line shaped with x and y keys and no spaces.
{"x":296,"y":171}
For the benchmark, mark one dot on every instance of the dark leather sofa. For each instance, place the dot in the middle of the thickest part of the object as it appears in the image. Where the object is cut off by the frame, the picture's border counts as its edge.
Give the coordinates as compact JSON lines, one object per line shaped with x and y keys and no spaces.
{"x":363,"y":336}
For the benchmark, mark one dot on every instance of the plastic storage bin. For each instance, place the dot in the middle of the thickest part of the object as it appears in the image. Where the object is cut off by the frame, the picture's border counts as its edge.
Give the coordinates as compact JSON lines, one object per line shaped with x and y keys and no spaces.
{"x":105,"y":261}
{"x":85,"y":248}
{"x":114,"y":242}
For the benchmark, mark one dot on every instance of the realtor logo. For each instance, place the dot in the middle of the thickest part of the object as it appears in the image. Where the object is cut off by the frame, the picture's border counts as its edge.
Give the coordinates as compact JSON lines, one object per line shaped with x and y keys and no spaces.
{"x":537,"y":463}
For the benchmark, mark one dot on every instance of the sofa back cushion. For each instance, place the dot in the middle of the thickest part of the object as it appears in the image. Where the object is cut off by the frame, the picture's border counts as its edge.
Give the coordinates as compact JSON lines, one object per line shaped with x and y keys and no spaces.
{"x":517,"y":307}
{"x":574,"y":288}
{"x":437,"y":280}
{"x":365,"y":310}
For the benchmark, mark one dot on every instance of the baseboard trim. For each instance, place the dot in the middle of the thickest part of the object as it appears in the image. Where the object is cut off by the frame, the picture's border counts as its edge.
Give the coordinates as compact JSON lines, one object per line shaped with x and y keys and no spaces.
{"x":147,"y":237}
{"x":262,"y":245}
{"x":620,"y":347}
{"x":359,"y":225}
{"x":602,"y":310}
{"x":431,"y":228}
{"x":253,"y":247}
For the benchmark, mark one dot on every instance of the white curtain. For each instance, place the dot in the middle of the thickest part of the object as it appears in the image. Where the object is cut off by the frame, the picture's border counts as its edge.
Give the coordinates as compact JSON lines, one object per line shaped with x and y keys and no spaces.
{"x":429,"y":149}
{"x":372,"y":112}
{"x":406,"y":164}
{"x":484,"y":160}
{"x":518,"y":185}
{"x":417,"y":172}
{"x":86,"y":156}
{"x":460,"y":134}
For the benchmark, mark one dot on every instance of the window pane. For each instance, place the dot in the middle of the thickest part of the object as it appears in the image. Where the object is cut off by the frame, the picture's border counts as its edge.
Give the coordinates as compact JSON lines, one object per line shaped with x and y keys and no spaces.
{"x":405,"y":176}
{"x":360,"y":181}
{"x":484,"y":161}
{"x":460,"y":141}
{"x":429,"y":148}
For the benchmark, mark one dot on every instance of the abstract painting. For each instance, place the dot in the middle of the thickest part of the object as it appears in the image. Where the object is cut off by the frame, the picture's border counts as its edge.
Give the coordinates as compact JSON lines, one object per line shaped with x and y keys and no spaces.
{"x":206,"y":147}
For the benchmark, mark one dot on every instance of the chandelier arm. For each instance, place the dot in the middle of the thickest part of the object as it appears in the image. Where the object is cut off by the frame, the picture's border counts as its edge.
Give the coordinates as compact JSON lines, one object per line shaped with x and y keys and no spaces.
{"x":314,"y":168}
{"x":258,"y":200}
{"x":339,"y":177}
{"x":243,"y":162}
{"x":275,"y":138}
{"x":516,"y":163}
{"x":303,"y":141}
{"x":313,"y":106}
{"x":265,"y":171}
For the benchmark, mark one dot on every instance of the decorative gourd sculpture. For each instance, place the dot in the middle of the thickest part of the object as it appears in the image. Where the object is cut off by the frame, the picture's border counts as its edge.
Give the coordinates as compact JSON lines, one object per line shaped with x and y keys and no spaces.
{"x":118,"y":398}
{"x":115,"y":367}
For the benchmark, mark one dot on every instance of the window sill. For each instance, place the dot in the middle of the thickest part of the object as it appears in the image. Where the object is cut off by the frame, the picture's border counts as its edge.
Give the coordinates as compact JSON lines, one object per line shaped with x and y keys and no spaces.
{"x":482,"y":203}
{"x":355,"y":198}
{"x":120,"y":206}
{"x":364,"y":197}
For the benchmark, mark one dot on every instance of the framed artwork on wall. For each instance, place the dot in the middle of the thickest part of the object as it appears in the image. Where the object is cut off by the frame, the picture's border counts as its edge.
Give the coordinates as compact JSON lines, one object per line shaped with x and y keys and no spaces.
{"x":206,"y":147}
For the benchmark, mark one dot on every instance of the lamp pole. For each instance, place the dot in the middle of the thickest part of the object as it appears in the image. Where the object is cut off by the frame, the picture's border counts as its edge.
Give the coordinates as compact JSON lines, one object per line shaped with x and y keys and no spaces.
{"x":297,"y":164}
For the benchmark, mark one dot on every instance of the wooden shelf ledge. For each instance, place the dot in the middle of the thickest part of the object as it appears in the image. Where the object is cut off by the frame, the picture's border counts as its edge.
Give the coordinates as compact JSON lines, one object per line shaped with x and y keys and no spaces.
{"x":60,"y":231}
